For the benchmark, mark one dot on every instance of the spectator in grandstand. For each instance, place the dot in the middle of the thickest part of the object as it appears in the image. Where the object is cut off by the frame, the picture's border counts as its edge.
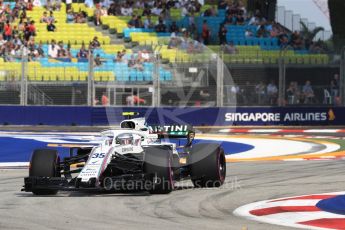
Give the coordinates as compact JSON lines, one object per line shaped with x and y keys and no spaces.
{"x":144,"y":56}
{"x":57,"y":5}
{"x":135,"y":99}
{"x":2,"y":41}
{"x":230,"y":19}
{"x":83,"y":52}
{"x":96,"y":101}
{"x":114,"y":9}
{"x":272,"y":93}
{"x":242,"y":9}
{"x":191,"y":47}
{"x":80,"y":17}
{"x":98,"y":61}
{"x":136,"y":22}
{"x":234,"y":92}
{"x":31,"y":42}
{"x":268,"y":27}
{"x":104,"y":11}
{"x":204,"y":96}
{"x":70,"y":16}
{"x":184,"y":40}
{"x":15,"y":31}
{"x":248,"y":34}
{"x":126,"y":10}
{"x":40,"y":50}
{"x":53,"y":49}
{"x":105,"y":99}
{"x":118,"y":57}
{"x":132,"y":61}
{"x":95,"y":43}
{"x":105,"y":3}
{"x":336,"y":80}
{"x":191,"y":25}
{"x":156,"y":10}
{"x":206,"y":33}
{"x":260,"y":90}
{"x":248,"y":93}
{"x":44,"y":18}
{"x":68,"y":5}
{"x":131,"y":22}
{"x":314,"y":47}
{"x":170,"y":4}
{"x":174,"y":28}
{"x":49,"y":5}
{"x":222,"y":34}
{"x":30,"y":30}
{"x":308,"y":93}
{"x":62,"y":53}
{"x":283,"y":41}
{"x":160,"y":27}
{"x":7,"y":31}
{"x":291,"y":93}
{"x":165,"y":14}
{"x":240,"y":20}
{"x":123,"y":55}
{"x":297,"y":41}
{"x":89,"y":3}
{"x":135,"y":63}
{"x":229,"y":48}
{"x":51,"y":27}
{"x":255,"y":21}
{"x":333,"y":91}
{"x":51,"y":17}
{"x":16,"y":41}
{"x":210,"y":12}
{"x":146,"y":11}
{"x":222,"y":4}
{"x":262,"y":32}
{"x":97,"y":15}
{"x":334,"y":86}
{"x":148,"y":24}
{"x":174,"y":41}
{"x":184,"y":10}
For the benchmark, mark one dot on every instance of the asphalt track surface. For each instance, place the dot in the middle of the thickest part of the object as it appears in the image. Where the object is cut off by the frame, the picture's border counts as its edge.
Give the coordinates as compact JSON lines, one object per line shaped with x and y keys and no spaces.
{"x":186,"y":208}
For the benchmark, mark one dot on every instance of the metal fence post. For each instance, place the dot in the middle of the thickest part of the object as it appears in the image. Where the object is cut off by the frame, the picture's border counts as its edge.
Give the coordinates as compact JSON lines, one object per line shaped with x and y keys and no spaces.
{"x":90,"y":81}
{"x":220,"y":81}
{"x":156,"y":83}
{"x":342,"y":76}
{"x":282,"y":78}
{"x":23,"y":82}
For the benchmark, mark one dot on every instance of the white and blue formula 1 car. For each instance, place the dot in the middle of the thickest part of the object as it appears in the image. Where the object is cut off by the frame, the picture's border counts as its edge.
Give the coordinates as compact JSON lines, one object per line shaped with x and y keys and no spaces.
{"x":132,"y":157}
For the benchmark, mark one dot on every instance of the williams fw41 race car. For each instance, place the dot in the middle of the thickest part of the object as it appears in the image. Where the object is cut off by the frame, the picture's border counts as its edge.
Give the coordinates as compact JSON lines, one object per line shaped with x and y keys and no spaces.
{"x":132,"y":157}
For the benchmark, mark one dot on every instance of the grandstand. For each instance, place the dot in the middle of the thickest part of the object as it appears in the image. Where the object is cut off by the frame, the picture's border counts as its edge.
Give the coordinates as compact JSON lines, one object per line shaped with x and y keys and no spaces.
{"x":116,"y":34}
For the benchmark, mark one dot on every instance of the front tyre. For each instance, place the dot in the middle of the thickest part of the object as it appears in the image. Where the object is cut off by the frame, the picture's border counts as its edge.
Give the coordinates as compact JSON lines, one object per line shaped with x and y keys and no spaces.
{"x":158,"y":161}
{"x":208,"y":165}
{"x":44,"y":163}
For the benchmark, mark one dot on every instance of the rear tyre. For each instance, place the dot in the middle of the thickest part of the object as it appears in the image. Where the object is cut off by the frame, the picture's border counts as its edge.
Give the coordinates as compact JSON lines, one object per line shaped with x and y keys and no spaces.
{"x":208,"y":165}
{"x":158,"y":160}
{"x":44,"y":163}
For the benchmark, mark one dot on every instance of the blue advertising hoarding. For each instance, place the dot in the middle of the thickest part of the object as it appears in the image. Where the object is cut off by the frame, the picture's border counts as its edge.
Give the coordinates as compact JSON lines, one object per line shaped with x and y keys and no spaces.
{"x":92,"y":116}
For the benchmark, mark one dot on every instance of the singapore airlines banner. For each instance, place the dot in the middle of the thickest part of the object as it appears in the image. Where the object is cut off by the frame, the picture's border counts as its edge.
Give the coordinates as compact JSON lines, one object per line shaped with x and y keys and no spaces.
{"x":286,"y":116}
{"x":210,"y":116}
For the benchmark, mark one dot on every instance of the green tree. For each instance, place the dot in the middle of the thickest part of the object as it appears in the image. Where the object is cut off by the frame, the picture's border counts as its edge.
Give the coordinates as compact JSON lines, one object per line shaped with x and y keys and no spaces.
{"x":310,"y":34}
{"x":337,"y":11}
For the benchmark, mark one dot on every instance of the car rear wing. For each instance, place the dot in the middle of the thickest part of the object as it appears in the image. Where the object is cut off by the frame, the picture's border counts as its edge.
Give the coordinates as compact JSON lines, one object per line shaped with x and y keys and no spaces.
{"x":172,"y":131}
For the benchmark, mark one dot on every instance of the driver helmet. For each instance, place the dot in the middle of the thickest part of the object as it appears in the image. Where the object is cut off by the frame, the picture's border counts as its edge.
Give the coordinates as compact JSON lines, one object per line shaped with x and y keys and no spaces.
{"x":124,"y":139}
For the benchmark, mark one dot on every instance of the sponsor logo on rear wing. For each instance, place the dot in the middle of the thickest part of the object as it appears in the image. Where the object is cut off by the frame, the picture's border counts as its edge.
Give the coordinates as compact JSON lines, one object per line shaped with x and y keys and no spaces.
{"x":171,"y":130}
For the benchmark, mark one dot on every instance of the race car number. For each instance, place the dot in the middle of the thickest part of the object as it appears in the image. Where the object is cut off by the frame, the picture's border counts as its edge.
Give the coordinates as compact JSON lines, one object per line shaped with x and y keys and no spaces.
{"x":98,"y":155}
